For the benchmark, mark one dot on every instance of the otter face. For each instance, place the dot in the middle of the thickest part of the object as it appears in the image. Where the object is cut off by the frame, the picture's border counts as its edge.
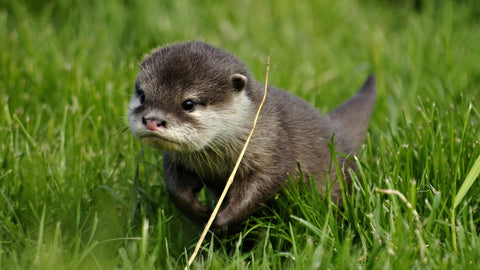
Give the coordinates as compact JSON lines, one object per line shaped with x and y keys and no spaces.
{"x":183,"y":102}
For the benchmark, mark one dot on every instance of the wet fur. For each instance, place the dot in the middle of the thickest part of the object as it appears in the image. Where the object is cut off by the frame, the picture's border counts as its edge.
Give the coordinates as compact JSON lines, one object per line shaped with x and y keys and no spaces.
{"x":209,"y":139}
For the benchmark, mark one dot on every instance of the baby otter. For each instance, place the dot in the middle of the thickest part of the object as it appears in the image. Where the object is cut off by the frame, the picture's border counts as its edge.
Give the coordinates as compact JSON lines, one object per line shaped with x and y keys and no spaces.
{"x":197,"y":103}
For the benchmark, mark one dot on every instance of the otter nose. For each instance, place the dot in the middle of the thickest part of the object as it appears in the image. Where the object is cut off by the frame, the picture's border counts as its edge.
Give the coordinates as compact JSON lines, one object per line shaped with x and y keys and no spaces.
{"x":154,"y":124}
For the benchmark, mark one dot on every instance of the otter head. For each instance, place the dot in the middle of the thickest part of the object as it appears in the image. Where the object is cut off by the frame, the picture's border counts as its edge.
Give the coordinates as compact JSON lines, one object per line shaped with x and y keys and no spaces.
{"x":190,"y":96}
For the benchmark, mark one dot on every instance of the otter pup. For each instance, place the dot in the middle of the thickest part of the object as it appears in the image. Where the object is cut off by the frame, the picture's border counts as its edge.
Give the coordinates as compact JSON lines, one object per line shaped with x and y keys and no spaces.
{"x":197,"y":103}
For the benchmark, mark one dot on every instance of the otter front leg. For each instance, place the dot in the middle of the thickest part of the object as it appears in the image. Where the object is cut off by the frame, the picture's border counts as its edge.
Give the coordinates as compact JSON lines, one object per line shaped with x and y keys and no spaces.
{"x":182,"y":186}
{"x":244,"y":198}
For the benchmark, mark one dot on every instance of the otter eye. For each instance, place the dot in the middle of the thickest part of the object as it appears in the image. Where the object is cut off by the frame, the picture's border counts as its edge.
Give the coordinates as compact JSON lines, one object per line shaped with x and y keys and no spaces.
{"x":188,"y":105}
{"x":141,"y":96}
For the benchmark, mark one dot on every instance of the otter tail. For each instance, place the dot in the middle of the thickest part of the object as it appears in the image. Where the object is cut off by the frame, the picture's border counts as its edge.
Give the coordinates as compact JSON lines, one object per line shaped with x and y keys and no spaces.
{"x":350,"y":120}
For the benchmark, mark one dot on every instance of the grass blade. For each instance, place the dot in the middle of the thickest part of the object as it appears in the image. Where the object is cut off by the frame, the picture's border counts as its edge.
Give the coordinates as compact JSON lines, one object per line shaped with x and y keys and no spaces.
{"x":471,"y":176}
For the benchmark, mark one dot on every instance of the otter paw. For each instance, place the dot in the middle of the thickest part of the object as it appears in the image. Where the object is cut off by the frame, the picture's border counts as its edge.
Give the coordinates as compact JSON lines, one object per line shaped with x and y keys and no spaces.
{"x":220,"y":230}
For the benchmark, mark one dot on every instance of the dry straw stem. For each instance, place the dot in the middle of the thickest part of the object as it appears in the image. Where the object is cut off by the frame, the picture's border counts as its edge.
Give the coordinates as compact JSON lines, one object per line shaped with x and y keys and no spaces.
{"x":232,"y":175}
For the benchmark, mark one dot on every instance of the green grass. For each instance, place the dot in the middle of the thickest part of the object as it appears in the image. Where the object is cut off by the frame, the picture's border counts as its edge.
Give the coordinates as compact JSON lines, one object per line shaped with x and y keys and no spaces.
{"x":70,"y":193}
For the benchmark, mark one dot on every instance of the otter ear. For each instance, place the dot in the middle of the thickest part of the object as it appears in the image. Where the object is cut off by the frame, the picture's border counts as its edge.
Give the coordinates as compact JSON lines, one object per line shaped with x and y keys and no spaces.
{"x":239,"y":81}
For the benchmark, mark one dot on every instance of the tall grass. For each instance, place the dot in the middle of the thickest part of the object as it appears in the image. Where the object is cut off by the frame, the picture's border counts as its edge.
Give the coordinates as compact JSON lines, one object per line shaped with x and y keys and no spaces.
{"x":70,"y":193}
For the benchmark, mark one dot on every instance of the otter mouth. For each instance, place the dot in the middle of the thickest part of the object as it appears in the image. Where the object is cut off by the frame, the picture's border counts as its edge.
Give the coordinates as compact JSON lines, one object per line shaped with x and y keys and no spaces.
{"x":157,"y":141}
{"x":155,"y":137}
